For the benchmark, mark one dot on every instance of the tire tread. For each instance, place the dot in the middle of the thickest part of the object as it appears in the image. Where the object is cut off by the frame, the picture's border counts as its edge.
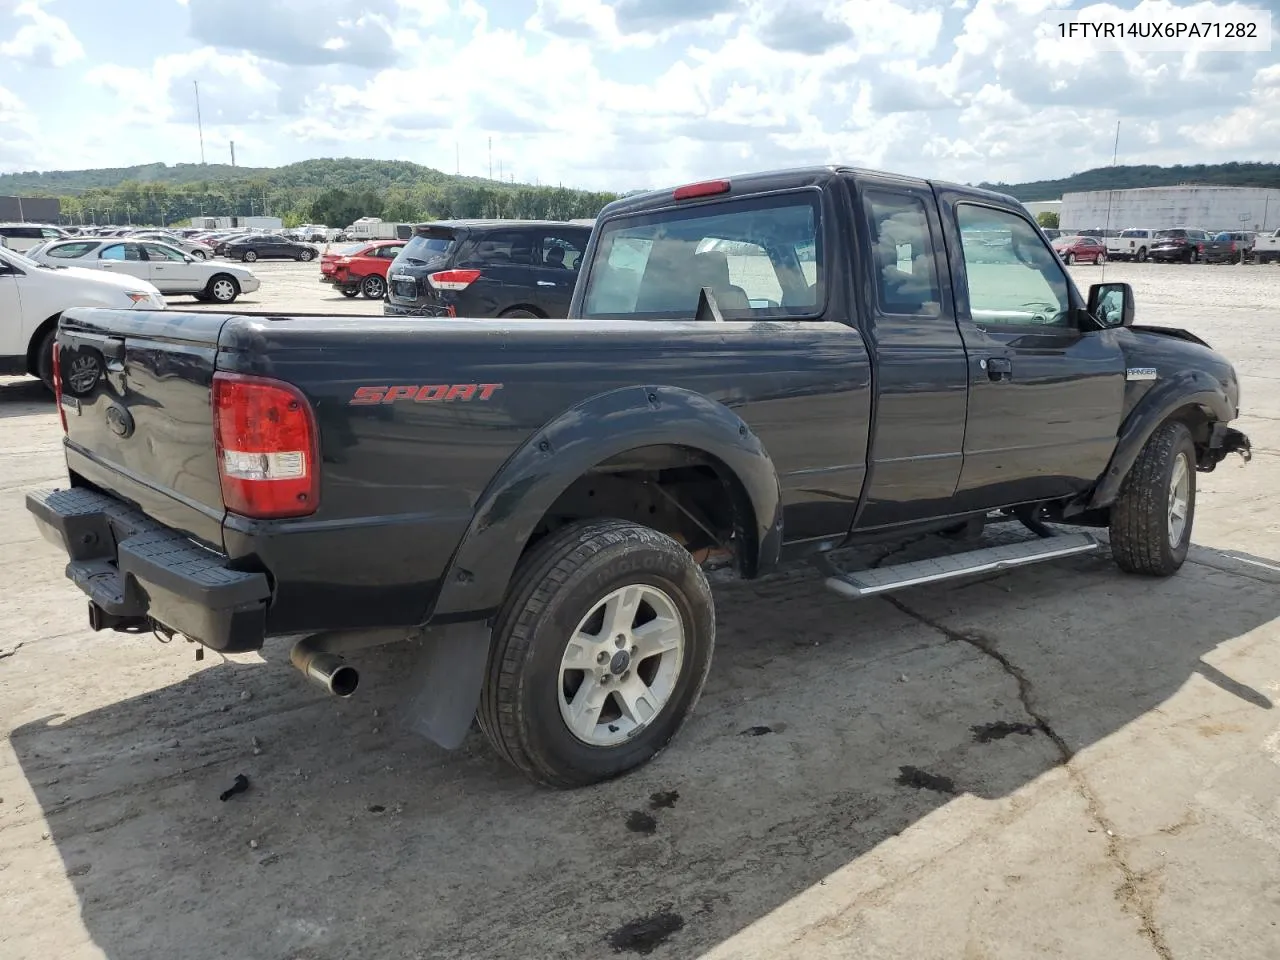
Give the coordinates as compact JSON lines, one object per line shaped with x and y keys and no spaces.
{"x":1139,"y":518}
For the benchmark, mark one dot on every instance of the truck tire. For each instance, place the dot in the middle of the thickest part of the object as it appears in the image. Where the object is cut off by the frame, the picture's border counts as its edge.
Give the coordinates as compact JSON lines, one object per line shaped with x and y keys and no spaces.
{"x":643,"y":617}
{"x":1142,"y":254}
{"x":1152,"y":517}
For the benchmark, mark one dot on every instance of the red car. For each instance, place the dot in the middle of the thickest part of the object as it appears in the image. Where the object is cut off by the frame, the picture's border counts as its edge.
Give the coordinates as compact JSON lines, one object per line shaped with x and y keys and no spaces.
{"x":360,"y":267}
{"x":1087,"y":249}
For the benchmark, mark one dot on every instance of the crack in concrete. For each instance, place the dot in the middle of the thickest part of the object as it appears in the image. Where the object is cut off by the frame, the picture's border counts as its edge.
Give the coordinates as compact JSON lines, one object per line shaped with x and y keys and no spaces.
{"x":6,"y":655}
{"x":1131,"y":892}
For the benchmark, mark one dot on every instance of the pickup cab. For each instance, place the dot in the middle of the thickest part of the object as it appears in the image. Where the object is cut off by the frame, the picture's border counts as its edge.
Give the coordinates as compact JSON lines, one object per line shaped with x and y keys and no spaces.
{"x":1266,"y":247}
{"x":754,"y":372}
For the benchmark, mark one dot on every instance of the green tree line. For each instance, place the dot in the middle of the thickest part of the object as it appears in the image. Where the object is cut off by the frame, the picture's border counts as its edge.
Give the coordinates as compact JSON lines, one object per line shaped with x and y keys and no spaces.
{"x":1132,"y":177}
{"x":333,"y":192}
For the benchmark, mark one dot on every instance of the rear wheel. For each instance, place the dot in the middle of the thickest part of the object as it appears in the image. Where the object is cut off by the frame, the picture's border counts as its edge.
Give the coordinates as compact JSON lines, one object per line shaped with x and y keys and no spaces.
{"x":1152,"y":517}
{"x":1142,"y":254}
{"x":521,"y":314}
{"x":350,"y":292}
{"x":600,"y":652}
{"x":249,"y":256}
{"x":223,"y":289}
{"x":373,"y":287}
{"x":1069,"y":259}
{"x":306,"y":255}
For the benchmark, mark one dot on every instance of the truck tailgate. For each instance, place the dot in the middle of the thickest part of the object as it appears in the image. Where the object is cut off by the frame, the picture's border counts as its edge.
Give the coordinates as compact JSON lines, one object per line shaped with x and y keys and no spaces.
{"x":136,"y":398}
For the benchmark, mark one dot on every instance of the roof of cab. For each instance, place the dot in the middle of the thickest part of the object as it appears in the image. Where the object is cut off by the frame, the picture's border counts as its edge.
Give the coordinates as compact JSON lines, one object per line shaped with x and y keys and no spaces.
{"x":762,"y":181}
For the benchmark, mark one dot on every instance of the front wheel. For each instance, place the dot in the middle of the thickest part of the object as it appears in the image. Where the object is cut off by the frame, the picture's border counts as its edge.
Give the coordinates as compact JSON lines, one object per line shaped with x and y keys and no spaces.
{"x":1099,"y":259}
{"x":600,"y":652}
{"x":199,"y":254}
{"x":44,"y":358}
{"x":249,"y":256}
{"x":223,"y":289}
{"x":350,"y":292}
{"x":373,"y":287}
{"x":1142,"y":254}
{"x":306,"y":255}
{"x":1069,"y":259}
{"x":1152,"y":517}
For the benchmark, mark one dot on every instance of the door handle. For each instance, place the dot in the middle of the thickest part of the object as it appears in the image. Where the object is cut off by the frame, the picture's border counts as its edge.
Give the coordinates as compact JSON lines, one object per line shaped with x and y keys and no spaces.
{"x":999,"y":368}
{"x":545,"y":283}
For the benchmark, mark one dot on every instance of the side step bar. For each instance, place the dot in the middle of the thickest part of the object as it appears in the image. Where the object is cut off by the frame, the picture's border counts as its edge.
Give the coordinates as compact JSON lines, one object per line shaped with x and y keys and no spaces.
{"x":866,"y":583}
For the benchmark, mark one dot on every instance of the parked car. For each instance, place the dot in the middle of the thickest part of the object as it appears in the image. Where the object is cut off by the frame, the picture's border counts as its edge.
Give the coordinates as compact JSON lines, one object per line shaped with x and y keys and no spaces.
{"x":1178,"y":244}
{"x":201,"y":251}
{"x":1229,"y":246}
{"x":167,"y":268}
{"x":487,"y":268}
{"x":1076,"y":247}
{"x":1053,"y":233}
{"x":542,"y":497}
{"x":360,"y":267}
{"x":268,"y":247}
{"x":33,"y":296}
{"x":24,"y":236}
{"x":1266,"y":247}
{"x":1131,"y":244}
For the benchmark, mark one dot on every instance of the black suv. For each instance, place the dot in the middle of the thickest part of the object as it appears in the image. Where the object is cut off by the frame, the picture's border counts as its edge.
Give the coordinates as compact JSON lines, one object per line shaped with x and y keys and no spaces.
{"x":487,"y":268}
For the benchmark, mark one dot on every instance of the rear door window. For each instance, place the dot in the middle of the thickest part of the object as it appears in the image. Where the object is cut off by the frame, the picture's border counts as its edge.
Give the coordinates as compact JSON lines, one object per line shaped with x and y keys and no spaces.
{"x":559,"y":250}
{"x":70,"y":251}
{"x":503,"y":247}
{"x":761,"y":257}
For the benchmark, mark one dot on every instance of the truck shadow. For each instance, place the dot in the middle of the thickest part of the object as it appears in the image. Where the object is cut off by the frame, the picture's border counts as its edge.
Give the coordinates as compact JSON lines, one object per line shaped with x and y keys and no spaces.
{"x":24,"y":397}
{"x":827,"y":727}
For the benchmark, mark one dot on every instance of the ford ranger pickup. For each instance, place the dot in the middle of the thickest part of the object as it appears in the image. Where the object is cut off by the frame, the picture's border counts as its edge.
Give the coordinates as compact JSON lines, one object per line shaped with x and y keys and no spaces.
{"x":753,"y":371}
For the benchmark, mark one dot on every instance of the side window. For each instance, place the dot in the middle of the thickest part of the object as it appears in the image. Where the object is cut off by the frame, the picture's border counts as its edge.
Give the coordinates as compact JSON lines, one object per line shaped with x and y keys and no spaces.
{"x":504,"y":246}
{"x":902,"y":248}
{"x":559,"y":251}
{"x":1014,"y":279}
{"x":48,"y":234}
{"x":69,"y":251}
{"x":156,"y":252}
{"x":113,"y":252}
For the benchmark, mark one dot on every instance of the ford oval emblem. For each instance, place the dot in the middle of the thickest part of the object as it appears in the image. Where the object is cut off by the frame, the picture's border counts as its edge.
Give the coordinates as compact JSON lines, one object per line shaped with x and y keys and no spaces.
{"x":119,"y":420}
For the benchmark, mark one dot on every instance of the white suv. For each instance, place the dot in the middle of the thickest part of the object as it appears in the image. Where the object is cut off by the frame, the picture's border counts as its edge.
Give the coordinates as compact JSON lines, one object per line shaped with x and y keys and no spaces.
{"x":32,"y":298}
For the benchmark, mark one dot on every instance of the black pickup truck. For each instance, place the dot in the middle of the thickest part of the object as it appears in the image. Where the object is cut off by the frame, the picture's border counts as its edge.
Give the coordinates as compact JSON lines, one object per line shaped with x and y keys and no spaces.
{"x":753,"y":371}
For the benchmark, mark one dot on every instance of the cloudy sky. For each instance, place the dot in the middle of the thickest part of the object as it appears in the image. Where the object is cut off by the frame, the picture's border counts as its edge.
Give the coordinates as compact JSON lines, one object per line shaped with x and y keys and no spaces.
{"x":624,"y":94}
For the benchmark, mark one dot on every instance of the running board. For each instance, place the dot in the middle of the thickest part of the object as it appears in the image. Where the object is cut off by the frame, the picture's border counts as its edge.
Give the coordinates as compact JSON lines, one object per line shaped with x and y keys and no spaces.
{"x":866,"y":583}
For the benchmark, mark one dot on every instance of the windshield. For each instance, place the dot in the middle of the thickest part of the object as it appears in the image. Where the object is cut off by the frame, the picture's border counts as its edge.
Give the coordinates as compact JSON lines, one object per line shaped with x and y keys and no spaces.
{"x":760,"y":256}
{"x":17,"y":259}
{"x":429,"y":245}
{"x":1067,"y":241}
{"x":1133,"y":233}
{"x":1170,"y":234}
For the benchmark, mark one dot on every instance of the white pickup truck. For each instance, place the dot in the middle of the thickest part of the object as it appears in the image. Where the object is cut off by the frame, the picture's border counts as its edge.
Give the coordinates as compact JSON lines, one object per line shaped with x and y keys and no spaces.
{"x":1266,"y":247}
{"x":1132,"y":244}
{"x":33,"y":296}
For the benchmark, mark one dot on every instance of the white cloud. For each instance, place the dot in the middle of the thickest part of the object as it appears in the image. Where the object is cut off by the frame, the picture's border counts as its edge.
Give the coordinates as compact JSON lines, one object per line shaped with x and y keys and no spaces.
{"x":43,"y":41}
{"x":632,"y":93}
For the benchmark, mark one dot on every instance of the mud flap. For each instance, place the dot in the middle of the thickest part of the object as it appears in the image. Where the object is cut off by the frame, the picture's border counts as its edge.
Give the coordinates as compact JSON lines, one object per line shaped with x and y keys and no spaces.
{"x":446,"y":682}
{"x":1223,"y":442}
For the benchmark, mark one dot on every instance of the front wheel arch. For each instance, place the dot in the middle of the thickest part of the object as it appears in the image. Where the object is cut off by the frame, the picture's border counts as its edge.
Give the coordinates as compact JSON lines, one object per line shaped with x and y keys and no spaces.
{"x":37,"y":341}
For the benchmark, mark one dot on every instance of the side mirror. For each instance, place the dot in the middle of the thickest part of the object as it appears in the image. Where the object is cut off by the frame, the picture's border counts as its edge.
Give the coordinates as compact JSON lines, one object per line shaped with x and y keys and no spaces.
{"x":1112,"y":304}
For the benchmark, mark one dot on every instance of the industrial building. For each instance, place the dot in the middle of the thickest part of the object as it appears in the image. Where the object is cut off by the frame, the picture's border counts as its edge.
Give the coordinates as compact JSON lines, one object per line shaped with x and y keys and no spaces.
{"x":29,"y":209}
{"x":1162,"y":208}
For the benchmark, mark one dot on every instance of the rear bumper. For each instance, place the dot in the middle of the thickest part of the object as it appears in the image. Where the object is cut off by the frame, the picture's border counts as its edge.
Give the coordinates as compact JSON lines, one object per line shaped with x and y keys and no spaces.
{"x":134,"y":569}
{"x":391,"y":309}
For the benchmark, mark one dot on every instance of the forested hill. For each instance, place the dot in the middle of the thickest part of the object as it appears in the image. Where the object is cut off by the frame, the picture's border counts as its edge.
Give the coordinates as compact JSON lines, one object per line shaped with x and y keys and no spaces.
{"x":332,"y":191}
{"x":1127,"y":178}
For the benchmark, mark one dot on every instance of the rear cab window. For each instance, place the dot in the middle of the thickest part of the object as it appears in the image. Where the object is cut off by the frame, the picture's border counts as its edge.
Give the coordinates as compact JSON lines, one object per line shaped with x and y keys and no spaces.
{"x":761,"y":256}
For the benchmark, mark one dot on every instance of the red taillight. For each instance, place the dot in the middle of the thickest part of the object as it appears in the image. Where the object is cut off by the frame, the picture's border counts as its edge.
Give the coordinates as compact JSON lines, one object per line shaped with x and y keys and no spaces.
{"x":1233,"y":246}
{"x":267,"y":446}
{"x":57,"y":383}
{"x":705,"y":189}
{"x":453,"y":279}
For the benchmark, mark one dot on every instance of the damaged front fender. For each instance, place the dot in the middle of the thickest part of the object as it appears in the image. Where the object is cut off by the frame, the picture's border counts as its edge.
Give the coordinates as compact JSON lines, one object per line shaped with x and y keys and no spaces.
{"x":1223,"y":441}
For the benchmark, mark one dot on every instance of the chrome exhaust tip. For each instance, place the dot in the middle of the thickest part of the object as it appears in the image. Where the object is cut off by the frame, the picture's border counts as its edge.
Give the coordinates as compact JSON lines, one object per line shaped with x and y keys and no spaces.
{"x":326,"y":669}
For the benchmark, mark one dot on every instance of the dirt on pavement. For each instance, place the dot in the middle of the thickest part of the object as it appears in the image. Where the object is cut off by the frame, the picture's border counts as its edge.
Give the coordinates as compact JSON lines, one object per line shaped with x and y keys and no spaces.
{"x":1058,"y":761}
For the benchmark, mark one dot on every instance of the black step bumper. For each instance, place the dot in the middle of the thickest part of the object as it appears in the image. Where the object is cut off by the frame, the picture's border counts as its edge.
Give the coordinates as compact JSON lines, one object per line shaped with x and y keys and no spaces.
{"x":134,"y":570}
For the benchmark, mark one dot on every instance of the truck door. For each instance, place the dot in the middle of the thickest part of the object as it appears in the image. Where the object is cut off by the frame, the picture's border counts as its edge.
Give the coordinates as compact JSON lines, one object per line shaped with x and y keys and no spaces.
{"x":921,"y":367}
{"x":1045,"y":396}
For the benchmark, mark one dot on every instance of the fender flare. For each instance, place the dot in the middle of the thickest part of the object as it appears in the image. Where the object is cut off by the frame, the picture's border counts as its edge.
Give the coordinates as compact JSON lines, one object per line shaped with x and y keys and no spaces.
{"x":555,"y":456}
{"x":1186,"y":388}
